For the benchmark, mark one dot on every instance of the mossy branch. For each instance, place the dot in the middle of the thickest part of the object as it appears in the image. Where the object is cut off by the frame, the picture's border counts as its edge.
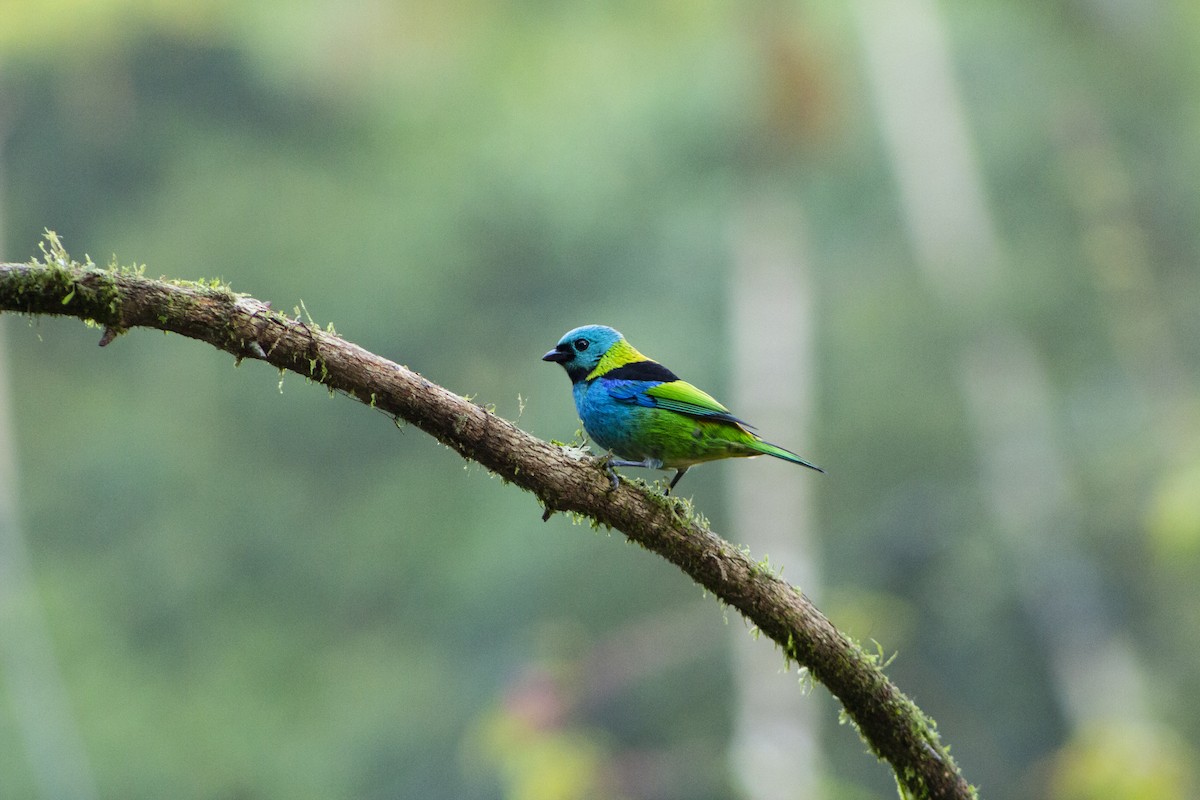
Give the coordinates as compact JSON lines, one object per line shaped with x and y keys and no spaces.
{"x":118,"y":299}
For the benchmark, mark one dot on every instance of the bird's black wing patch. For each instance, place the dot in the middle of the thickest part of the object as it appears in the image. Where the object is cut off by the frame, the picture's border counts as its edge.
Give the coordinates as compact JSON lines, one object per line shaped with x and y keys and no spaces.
{"x":642,"y":371}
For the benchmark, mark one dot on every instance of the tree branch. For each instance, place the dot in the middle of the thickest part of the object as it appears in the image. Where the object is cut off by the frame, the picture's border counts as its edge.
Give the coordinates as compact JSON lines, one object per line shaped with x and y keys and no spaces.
{"x":119,"y":299}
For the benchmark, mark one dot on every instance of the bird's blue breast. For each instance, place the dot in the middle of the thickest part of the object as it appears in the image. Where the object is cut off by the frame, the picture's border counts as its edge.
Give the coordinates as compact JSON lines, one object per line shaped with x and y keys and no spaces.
{"x":615,"y":413}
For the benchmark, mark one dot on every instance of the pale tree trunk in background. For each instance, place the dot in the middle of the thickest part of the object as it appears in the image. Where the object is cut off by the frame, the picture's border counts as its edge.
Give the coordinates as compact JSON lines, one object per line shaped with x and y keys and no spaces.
{"x":37,"y":697}
{"x":1009,"y":398}
{"x":775,"y":742}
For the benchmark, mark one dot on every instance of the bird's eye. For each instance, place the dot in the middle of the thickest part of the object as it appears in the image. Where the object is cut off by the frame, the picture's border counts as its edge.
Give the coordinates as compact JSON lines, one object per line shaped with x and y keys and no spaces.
{"x":581,"y":344}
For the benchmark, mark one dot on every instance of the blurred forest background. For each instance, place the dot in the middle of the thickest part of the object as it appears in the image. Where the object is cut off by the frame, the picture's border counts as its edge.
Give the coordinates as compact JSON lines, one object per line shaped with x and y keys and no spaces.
{"x":214,"y":585}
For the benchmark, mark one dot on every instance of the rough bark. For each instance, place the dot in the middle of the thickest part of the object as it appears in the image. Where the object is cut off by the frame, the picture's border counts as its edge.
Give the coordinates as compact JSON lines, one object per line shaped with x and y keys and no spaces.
{"x":120,"y":299}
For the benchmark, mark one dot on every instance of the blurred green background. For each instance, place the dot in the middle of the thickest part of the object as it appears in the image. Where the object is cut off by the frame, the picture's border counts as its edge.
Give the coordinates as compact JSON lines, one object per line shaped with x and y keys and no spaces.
{"x":238,"y":590}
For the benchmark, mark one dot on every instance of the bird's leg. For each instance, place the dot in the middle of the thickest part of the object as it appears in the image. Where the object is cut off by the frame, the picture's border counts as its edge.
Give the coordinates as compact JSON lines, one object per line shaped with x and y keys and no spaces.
{"x":609,"y":461}
{"x":678,"y":474}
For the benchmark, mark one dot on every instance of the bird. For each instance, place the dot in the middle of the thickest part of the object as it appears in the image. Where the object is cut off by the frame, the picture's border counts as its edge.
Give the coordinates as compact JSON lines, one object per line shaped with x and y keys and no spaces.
{"x":644,"y":415}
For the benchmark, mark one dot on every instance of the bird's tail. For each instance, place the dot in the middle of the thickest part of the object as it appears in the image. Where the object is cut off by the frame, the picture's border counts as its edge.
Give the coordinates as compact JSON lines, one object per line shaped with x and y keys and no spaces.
{"x":787,"y":455}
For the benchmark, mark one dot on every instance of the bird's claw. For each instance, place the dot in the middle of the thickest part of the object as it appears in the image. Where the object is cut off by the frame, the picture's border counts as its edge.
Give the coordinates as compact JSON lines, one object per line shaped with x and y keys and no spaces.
{"x":606,"y":463}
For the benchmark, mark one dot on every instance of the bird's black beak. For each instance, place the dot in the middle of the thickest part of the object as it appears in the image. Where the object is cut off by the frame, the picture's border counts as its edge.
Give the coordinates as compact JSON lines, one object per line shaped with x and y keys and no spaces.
{"x":559,"y":354}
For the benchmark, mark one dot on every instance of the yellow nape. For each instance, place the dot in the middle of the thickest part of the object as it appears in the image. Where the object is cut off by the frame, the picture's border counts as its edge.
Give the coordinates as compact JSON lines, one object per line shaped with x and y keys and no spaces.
{"x":618,"y":355}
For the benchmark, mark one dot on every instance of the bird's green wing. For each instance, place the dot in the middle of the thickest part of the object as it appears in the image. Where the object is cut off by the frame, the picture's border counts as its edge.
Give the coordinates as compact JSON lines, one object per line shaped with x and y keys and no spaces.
{"x":682,"y":397}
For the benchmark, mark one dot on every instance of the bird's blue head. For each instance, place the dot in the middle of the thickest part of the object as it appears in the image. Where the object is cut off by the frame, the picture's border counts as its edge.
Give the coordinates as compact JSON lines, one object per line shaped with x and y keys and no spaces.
{"x":580,"y":350}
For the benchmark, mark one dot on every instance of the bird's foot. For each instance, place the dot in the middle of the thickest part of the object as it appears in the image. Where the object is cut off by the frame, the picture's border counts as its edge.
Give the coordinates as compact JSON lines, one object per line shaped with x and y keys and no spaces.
{"x":608,"y":461}
{"x":678,"y":474}
{"x":612,"y":473}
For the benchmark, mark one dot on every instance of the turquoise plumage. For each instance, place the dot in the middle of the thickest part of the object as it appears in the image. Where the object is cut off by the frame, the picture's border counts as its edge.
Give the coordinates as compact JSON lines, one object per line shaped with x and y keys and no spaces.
{"x":644,"y":415}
